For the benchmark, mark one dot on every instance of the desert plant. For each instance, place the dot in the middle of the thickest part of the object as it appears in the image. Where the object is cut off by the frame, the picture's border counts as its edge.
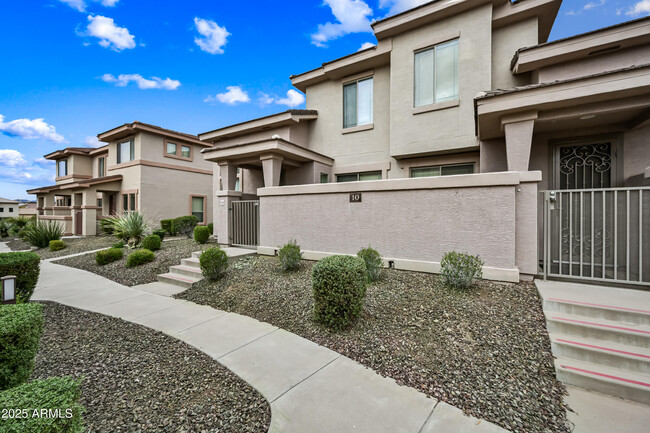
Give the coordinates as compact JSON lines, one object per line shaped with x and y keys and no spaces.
{"x":373,"y":262}
{"x":184,"y":225}
{"x":131,"y":227}
{"x":151,"y":242}
{"x":21,"y":221}
{"x":201,"y":234}
{"x":54,"y":393}
{"x":22,"y":325}
{"x":166,"y":225}
{"x":339,"y":287}
{"x":159,"y":233}
{"x":459,"y":270}
{"x":290,"y":255}
{"x":106,"y":225}
{"x":213,"y":263}
{"x":110,"y":255}
{"x":26,"y":267}
{"x":57,"y":245}
{"x":40,"y":233}
{"x":139,"y":257}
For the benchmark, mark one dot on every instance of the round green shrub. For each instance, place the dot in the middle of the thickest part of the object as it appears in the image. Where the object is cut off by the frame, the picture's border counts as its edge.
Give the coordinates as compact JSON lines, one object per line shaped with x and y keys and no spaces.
{"x":26,"y":267}
{"x":459,"y":270}
{"x":160,"y":234}
{"x":211,"y":228}
{"x":110,"y":255}
{"x":213,"y":262}
{"x":22,"y":325}
{"x":290,"y":255}
{"x":201,"y":234}
{"x":119,"y":244}
{"x":339,"y":286}
{"x":151,"y":242}
{"x":184,"y":225}
{"x":57,"y":245}
{"x":166,"y":225}
{"x":140,"y":257}
{"x":373,"y":262}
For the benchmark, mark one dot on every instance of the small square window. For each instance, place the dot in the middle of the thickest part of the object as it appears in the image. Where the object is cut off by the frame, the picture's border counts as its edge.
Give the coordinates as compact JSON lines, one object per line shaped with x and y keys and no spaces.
{"x":186,"y":152}
{"x":324,"y":178}
{"x":171,"y":148}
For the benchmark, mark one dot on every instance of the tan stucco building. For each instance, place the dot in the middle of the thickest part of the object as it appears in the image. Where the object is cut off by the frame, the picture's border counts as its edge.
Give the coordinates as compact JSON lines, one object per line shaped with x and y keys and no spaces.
{"x":8,"y":208}
{"x":142,"y":168}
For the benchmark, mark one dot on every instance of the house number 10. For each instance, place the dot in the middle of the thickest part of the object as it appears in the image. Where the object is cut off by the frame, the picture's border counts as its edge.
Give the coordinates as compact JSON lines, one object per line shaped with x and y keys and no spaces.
{"x":355,"y":197}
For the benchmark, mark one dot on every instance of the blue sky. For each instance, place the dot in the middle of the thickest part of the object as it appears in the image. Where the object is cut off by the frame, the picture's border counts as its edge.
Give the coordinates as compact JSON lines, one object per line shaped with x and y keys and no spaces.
{"x":74,"y":68}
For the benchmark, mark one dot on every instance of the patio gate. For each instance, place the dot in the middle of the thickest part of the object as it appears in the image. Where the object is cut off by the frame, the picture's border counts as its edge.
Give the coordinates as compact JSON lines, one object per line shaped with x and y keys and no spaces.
{"x":598,"y":234}
{"x":245,"y":223}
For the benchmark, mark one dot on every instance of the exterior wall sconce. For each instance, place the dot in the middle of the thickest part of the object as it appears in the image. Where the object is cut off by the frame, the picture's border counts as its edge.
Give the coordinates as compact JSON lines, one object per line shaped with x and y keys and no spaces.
{"x":8,"y":289}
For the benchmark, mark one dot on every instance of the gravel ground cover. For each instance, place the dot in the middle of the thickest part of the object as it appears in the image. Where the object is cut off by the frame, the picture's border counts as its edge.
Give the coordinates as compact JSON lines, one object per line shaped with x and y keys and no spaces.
{"x":73,"y":246}
{"x":170,"y":253}
{"x":140,"y":380}
{"x":485,"y":351}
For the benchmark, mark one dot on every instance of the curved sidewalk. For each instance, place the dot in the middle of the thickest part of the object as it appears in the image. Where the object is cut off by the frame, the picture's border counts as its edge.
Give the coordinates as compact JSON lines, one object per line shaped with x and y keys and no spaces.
{"x":309,"y":387}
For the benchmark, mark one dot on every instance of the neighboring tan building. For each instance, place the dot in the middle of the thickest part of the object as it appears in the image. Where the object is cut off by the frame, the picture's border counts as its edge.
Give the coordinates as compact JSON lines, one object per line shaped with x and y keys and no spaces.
{"x":439,"y":139}
{"x":27,"y":209}
{"x":142,"y":168}
{"x":8,"y":208}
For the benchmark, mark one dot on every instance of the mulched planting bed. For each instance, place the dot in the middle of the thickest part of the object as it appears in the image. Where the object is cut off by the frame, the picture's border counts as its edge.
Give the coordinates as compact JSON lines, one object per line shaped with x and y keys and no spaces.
{"x":140,"y":380}
{"x":485,"y":351}
{"x":170,"y":253}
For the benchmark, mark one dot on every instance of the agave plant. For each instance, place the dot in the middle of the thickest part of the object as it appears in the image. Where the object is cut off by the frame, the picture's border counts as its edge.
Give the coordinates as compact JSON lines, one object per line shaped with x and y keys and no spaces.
{"x":40,"y":233}
{"x":131,"y":227}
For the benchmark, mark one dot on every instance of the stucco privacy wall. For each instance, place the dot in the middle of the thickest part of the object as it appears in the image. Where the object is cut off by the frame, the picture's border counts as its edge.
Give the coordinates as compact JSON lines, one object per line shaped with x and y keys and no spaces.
{"x":411,"y":221}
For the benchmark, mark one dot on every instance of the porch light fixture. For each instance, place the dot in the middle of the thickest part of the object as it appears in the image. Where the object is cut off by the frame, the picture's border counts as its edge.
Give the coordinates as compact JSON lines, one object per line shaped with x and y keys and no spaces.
{"x":8,"y":289}
{"x":587,"y":116}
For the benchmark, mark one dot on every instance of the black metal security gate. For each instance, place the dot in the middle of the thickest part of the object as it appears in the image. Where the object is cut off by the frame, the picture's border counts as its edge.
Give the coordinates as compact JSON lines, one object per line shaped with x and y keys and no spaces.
{"x":245,"y":223}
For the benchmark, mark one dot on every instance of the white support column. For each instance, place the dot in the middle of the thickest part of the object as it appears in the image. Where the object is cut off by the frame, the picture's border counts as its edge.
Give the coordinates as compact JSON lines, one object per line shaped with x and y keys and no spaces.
{"x":271,"y":167}
{"x":89,"y":210}
{"x":519,"y":139}
{"x":223,"y":201}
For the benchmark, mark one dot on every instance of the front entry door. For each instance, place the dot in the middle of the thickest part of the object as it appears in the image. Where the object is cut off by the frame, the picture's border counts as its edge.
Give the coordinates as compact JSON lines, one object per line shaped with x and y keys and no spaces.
{"x":111,"y":204}
{"x":78,"y":229}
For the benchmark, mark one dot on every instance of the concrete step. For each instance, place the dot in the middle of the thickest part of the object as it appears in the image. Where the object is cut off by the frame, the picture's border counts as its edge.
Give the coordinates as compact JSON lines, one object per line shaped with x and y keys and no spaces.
{"x":598,"y":329}
{"x":233,"y":253}
{"x":626,"y":315}
{"x":179,"y":280}
{"x":190,"y":271}
{"x":608,"y":380}
{"x":623,"y":357}
{"x":191,"y":263}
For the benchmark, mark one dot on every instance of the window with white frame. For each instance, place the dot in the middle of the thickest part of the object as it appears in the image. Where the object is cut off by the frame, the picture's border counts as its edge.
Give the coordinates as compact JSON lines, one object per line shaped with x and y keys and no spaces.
{"x":436,"y":74}
{"x":442,"y":170}
{"x":101,"y":167}
{"x":357,"y":103}
{"x":62,"y":167}
{"x":353,"y":177}
{"x":125,"y":151}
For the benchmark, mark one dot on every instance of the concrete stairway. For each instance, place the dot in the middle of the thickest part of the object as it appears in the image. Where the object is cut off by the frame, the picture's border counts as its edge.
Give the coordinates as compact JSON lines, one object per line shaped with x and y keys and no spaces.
{"x":600,"y":337}
{"x":189,"y":271}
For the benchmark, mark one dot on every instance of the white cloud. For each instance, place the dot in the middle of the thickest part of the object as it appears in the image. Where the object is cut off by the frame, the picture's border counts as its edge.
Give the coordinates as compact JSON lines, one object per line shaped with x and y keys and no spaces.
{"x":109,"y":35}
{"x":30,"y":129}
{"x":365,"y":46}
{"x":81,"y":5}
{"x":593,"y":5}
{"x":11,"y":158}
{"x":265,"y":99}
{"x":92,"y":141}
{"x":143,"y":83}
{"x":233,"y":96}
{"x":213,"y":38}
{"x":397,"y":6}
{"x":353,"y":16}
{"x":642,"y":7}
{"x":292,"y":100}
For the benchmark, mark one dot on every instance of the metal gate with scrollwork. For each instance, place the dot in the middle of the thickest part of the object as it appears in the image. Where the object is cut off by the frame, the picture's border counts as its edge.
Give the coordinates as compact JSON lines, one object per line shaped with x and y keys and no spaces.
{"x":245,"y":223}
{"x":598,"y":234}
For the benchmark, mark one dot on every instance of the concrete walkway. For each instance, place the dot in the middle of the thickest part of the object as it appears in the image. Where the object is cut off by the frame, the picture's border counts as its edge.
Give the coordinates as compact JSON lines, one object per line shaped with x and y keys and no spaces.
{"x":310,"y":388}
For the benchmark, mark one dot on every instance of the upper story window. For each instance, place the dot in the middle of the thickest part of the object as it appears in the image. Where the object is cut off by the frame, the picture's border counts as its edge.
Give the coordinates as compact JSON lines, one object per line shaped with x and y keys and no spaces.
{"x":353,"y":177}
{"x":62,"y":168}
{"x":172,"y":148}
{"x":125,"y":151}
{"x":436,"y":74}
{"x":442,"y":170}
{"x":357,"y":103}
{"x":101,"y":167}
{"x":175,"y":150}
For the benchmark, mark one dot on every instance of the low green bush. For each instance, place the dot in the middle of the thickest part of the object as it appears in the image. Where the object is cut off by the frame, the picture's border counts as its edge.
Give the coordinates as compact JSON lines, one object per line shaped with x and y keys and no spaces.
{"x":211,"y":228}
{"x":184,"y":225}
{"x":119,"y":244}
{"x":459,"y":270}
{"x":160,"y":234}
{"x":26,"y":267}
{"x":110,"y":255}
{"x":166,"y":225}
{"x":151,"y":242}
{"x":339,"y":287}
{"x":22,"y":325}
{"x":139,"y":257}
{"x":5,"y":226}
{"x":290,"y":255}
{"x":41,"y":233}
{"x":373,"y":262}
{"x":57,"y":245}
{"x":201,"y":234}
{"x":213,"y":262}
{"x":44,"y":406}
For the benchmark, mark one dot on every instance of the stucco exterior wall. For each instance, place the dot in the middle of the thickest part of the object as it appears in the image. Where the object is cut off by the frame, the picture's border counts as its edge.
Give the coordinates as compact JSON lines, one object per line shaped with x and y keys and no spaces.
{"x":450,"y":129}
{"x":636,"y":155}
{"x":5,"y":213}
{"x":152,"y":148}
{"x":505,"y":42}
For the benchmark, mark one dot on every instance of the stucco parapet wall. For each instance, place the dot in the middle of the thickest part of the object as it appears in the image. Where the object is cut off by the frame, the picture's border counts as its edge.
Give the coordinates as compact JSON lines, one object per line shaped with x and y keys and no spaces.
{"x":263,"y":147}
{"x":510,"y":178}
{"x":285,"y":118}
